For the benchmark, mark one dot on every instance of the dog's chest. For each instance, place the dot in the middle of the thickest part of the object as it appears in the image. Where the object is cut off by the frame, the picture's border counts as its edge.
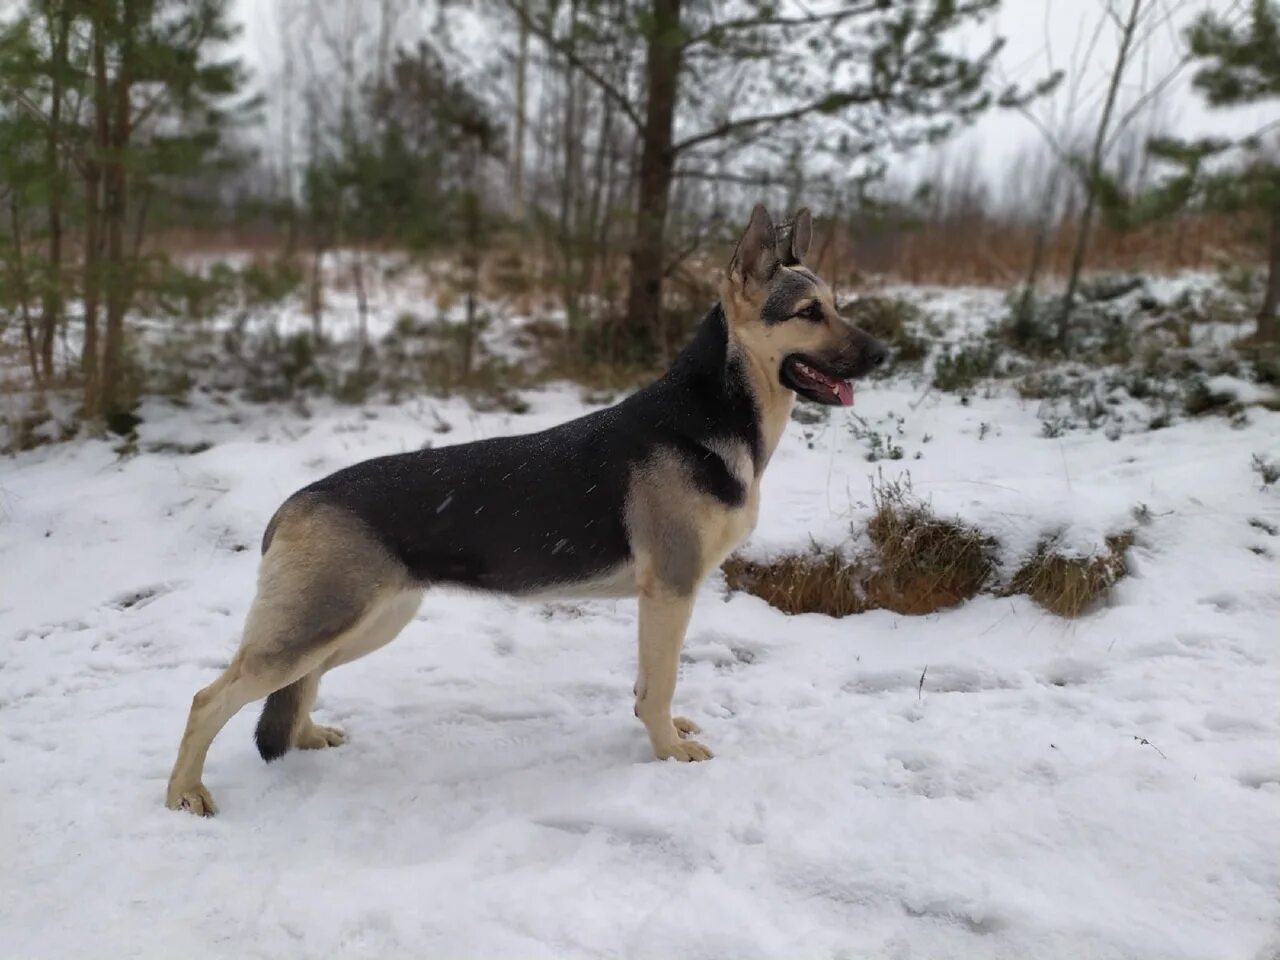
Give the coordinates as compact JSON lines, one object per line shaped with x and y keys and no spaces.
{"x":736,"y":522}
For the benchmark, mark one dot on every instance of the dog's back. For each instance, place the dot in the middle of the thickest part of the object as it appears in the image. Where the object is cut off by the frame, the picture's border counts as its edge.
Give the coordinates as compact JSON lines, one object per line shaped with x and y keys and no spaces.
{"x":538,"y":511}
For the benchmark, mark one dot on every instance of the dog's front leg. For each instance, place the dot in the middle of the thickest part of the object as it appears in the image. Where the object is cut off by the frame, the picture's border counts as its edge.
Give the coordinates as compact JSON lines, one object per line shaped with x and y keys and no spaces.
{"x":664,"y":616}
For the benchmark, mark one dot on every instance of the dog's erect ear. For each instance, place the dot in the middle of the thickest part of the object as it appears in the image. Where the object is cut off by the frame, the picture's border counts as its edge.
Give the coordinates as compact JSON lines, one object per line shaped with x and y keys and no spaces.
{"x":756,"y":257}
{"x":796,"y":243}
{"x":801,"y":234}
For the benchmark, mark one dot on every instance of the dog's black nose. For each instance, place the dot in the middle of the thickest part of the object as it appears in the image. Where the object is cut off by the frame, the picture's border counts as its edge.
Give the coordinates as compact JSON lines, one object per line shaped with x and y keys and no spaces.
{"x":877,"y":353}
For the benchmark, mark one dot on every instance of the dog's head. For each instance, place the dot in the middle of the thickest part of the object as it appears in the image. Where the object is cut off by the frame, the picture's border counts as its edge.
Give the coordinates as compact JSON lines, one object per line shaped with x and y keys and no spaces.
{"x":785,"y":317}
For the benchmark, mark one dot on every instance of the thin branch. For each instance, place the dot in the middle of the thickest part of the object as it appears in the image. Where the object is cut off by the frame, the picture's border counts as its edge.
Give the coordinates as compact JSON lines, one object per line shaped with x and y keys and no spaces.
{"x":828,"y":104}
{"x":746,"y":23}
{"x":544,"y":34}
{"x":745,"y":179}
{"x":74,"y":151}
{"x":1141,"y":103}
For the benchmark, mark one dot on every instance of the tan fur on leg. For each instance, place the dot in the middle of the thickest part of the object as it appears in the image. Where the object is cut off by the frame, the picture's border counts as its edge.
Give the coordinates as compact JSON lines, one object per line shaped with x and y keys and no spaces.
{"x":211,"y":708}
{"x":664,"y":617}
{"x":310,"y":735}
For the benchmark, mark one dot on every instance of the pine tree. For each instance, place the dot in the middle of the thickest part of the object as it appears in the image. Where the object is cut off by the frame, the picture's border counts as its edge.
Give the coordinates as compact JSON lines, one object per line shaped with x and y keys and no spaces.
{"x":162,"y":100}
{"x":124,"y":100}
{"x":1239,"y":64}
{"x":757,"y":77}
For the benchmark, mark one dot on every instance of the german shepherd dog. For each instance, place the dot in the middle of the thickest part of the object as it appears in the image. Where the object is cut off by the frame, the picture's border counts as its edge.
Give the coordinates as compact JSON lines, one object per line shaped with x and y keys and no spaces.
{"x":642,"y":499}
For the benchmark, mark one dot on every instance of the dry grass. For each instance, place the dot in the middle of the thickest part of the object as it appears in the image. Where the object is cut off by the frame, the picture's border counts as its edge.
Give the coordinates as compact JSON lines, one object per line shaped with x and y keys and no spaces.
{"x":918,"y":563}
{"x":984,"y":250}
{"x":1070,"y":586}
{"x":821,"y":581}
{"x":976,"y":249}
{"x":923,"y":563}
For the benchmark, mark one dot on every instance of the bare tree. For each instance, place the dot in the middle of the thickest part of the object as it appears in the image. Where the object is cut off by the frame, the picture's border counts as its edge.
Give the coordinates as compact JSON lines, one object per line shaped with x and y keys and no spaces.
{"x":1127,"y":28}
{"x":521,"y":102}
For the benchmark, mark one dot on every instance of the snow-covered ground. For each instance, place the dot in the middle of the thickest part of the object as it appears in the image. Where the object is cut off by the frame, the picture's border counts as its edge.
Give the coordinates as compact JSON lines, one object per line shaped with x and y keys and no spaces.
{"x":991,"y":781}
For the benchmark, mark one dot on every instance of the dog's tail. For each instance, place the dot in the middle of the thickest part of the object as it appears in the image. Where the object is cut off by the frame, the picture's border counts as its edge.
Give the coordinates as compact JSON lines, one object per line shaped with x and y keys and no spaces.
{"x":274,"y":734}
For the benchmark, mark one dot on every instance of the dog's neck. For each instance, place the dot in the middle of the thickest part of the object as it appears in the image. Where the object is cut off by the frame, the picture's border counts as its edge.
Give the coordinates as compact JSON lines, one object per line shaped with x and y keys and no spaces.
{"x":716,"y":357}
{"x":773,"y":401}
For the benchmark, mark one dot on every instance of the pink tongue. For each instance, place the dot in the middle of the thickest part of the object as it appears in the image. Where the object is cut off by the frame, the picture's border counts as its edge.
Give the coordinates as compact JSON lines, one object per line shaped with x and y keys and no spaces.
{"x":844,"y":392}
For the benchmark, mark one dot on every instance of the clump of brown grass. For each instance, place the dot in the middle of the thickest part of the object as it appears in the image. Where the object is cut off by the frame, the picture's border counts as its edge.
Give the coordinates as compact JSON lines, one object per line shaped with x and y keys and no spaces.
{"x":918,"y":563}
{"x":923,"y":562}
{"x":821,"y":581}
{"x":1069,"y":586}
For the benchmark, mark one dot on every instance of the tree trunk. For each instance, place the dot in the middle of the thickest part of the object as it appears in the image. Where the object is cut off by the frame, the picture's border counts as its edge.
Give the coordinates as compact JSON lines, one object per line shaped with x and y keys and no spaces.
{"x":362,"y":300}
{"x":657,"y":164}
{"x":1025,"y":327}
{"x":570,"y":183}
{"x":115,"y":215}
{"x":90,"y":367}
{"x":471,"y":214}
{"x":1095,"y":171}
{"x":595,"y":210}
{"x":20,"y":281}
{"x":51,"y":302}
{"x":1269,"y":314}
{"x":517,"y":156}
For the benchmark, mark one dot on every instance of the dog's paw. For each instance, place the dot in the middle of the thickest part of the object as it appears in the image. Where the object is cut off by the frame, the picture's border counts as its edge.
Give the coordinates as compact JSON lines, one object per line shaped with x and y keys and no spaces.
{"x":684,"y":726}
{"x":195,"y":800}
{"x":316,"y":737}
{"x":686,"y":751}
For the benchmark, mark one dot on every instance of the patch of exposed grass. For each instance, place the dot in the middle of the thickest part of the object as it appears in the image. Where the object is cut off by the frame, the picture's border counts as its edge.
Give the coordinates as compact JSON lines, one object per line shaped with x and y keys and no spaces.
{"x":918,"y":563}
{"x":923,"y":562}
{"x":1070,"y":586}
{"x":820,"y":581}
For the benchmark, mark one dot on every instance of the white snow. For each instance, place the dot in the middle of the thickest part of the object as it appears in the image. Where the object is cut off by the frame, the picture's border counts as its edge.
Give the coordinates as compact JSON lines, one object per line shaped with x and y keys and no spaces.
{"x":1102,"y":788}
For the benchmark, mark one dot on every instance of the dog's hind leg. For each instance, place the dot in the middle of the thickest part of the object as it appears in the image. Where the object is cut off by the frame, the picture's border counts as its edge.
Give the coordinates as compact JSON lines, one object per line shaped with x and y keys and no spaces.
{"x":211,"y":708}
{"x":323,"y":584}
{"x":286,"y":717}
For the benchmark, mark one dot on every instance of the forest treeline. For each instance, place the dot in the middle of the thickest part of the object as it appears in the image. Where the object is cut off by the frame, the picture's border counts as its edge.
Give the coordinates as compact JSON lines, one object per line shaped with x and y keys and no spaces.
{"x":598,"y":151}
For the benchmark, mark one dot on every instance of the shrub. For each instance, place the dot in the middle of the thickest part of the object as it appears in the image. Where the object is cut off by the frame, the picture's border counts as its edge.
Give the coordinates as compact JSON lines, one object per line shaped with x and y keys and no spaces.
{"x":892,"y":320}
{"x":1200,"y":400}
{"x":962,"y":369}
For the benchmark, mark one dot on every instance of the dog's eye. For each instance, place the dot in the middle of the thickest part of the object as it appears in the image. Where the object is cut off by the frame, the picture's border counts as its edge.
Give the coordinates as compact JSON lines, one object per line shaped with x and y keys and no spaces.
{"x":812,"y":312}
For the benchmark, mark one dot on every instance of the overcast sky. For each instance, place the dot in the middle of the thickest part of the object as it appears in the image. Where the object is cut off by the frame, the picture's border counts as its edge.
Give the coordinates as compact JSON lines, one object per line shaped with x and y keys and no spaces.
{"x":1042,"y":35}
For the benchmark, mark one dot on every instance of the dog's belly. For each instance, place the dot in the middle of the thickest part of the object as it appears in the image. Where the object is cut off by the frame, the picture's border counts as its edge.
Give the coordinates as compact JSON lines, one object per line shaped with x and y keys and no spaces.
{"x":617,"y":584}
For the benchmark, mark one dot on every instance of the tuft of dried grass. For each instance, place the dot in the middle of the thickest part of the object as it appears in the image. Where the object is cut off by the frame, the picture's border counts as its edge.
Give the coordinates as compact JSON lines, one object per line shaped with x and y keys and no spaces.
{"x":1070,"y":586}
{"x":923,"y":562}
{"x":919,"y":563}
{"x":821,"y":581}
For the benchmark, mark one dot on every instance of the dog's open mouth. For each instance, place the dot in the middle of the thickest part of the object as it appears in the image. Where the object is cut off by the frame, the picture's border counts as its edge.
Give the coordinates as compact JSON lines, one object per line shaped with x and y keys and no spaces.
{"x":812,"y":384}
